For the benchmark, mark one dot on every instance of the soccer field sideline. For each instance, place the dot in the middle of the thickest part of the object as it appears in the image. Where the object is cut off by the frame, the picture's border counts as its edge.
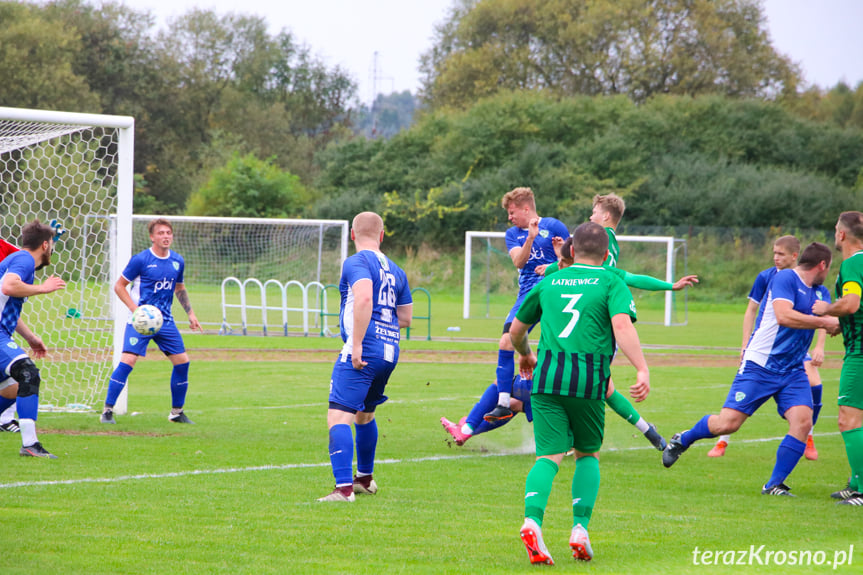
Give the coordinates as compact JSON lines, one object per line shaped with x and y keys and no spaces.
{"x":291,"y":466}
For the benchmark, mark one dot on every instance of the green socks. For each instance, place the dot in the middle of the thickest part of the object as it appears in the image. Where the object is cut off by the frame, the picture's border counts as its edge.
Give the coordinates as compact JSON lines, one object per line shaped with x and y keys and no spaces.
{"x":854,"y":449}
{"x":622,"y":407}
{"x":585,"y":487}
{"x":537,"y":488}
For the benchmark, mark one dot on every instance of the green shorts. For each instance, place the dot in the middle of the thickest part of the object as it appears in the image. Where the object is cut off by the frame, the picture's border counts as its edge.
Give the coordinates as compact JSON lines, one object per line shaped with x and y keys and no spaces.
{"x":562,"y":422}
{"x":851,"y":382}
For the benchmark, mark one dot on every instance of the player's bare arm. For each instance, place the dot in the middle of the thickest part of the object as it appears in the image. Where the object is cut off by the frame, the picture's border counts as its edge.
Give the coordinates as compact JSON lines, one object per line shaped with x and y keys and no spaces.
{"x":120,"y":289}
{"x":183,"y":297}
{"x":362,"y":316}
{"x":787,"y":316}
{"x":14,"y":286}
{"x":749,"y":317}
{"x":629,"y":343}
{"x":845,"y":305}
{"x":520,"y":255}
{"x":818,"y":351}
{"x":405,"y":314}
{"x":37,"y":346}
{"x":527,"y":359}
{"x":685,"y":281}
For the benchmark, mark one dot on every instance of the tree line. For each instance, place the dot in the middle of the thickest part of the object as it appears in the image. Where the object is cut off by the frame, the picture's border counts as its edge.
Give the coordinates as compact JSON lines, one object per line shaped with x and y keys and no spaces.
{"x":681,"y":106}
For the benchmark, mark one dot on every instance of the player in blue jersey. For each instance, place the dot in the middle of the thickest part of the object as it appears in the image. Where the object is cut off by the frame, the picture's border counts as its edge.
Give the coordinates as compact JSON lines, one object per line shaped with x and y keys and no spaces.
{"x":785,"y":252}
{"x":17,"y":274}
{"x":530,"y":243}
{"x":156,"y":276}
{"x":8,"y":386}
{"x":772,"y":366}
{"x":375,"y":304}
{"x":474,"y":424}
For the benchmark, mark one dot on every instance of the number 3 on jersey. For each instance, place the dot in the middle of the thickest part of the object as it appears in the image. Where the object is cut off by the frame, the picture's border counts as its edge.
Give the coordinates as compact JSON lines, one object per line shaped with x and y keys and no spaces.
{"x":570,"y":308}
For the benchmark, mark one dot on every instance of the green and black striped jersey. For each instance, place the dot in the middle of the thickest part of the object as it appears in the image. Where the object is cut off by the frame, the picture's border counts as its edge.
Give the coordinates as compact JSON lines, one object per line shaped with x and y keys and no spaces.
{"x":850,"y":280}
{"x":574,"y":308}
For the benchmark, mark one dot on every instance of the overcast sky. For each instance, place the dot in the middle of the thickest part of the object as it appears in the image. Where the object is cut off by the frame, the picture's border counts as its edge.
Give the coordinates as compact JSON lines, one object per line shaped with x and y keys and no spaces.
{"x":823,"y":36}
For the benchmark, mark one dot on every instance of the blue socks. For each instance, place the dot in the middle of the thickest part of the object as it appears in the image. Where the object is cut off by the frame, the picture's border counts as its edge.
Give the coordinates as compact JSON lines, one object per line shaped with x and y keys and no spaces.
{"x":505,"y":371}
{"x":367,"y":442}
{"x":27,"y":407}
{"x":179,"y":384}
{"x":342,"y":453}
{"x":117,"y":382}
{"x":816,"y":402}
{"x":789,"y":453}
{"x":485,"y":404}
{"x":698,"y":431}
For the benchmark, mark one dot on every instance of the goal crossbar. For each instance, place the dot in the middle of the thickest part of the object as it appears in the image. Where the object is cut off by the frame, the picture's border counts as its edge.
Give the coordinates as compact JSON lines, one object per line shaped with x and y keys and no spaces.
{"x":669,"y":242}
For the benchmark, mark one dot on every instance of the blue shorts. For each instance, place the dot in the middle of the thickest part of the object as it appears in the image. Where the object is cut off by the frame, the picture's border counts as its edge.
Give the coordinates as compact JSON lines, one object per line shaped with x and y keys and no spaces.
{"x":355,"y":390}
{"x":168,"y":339}
{"x":521,"y":391}
{"x":10,"y":352}
{"x":511,"y":315}
{"x":753,"y":385}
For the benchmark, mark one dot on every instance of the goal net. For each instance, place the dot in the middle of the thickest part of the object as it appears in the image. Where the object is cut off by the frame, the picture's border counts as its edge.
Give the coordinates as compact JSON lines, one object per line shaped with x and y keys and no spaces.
{"x":299,"y":251}
{"x":68,"y":167}
{"x":491,"y":281}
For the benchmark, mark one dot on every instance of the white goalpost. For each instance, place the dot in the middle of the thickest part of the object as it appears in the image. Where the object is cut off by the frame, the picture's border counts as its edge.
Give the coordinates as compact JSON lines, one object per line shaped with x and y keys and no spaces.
{"x":488,"y":268}
{"x":68,"y":167}
{"x":265,"y":251}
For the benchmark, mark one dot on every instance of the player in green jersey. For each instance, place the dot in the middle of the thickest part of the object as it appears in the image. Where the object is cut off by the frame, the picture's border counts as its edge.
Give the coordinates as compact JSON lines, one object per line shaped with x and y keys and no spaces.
{"x":849,"y":287}
{"x":583,"y":310}
{"x":607,"y":211}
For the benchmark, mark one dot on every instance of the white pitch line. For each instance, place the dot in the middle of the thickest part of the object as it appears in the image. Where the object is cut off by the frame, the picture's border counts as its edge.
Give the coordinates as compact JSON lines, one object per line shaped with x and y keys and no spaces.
{"x":289,"y":466}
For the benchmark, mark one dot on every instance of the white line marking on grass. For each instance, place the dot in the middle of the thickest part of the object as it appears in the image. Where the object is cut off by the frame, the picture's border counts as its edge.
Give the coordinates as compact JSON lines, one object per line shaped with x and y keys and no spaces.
{"x":289,"y":466}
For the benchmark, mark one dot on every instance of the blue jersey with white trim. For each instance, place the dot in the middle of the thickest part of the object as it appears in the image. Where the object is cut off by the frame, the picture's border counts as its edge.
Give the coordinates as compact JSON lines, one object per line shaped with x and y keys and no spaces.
{"x":541,"y":252}
{"x":154,"y":279}
{"x":772,"y":346}
{"x":762,"y":280}
{"x":22,"y":265}
{"x":390,"y":290}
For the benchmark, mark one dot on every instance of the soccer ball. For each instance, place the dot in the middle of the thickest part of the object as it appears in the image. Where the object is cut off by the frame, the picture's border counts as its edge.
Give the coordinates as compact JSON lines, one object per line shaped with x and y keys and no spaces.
{"x":147,"y":319}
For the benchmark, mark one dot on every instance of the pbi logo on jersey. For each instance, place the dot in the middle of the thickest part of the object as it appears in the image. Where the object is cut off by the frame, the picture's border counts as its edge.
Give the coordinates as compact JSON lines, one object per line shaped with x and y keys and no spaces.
{"x":176,"y":265}
{"x":133,"y":340}
{"x":12,"y":344}
{"x":543,"y":233}
{"x":164,"y":284}
{"x":739,"y":396}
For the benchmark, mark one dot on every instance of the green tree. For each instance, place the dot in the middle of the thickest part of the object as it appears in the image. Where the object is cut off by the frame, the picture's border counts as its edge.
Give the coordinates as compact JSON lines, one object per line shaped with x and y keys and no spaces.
{"x":37,"y":58}
{"x":592,"y":47}
{"x":249,"y":187}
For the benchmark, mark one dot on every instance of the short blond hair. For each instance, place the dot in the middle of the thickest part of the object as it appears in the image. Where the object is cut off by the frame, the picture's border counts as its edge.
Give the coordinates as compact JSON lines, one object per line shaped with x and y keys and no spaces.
{"x":368,"y":225}
{"x":611,"y":204}
{"x":789,"y":243}
{"x":518,"y":197}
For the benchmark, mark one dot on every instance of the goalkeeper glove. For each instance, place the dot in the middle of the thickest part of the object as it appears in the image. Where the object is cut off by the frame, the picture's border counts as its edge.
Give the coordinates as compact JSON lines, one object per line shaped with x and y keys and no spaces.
{"x":59,"y":230}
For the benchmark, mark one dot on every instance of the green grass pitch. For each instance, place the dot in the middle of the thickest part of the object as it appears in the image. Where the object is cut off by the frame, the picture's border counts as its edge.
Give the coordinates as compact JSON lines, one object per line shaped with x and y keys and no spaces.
{"x":236,"y":492}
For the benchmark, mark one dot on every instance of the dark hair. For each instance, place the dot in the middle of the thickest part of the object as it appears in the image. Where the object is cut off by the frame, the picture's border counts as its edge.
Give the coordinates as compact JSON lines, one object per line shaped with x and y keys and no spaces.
{"x":34,"y":234}
{"x":158,"y":222}
{"x":566,"y":250}
{"x":814,"y":254}
{"x":590,"y":240}
{"x":853,"y":223}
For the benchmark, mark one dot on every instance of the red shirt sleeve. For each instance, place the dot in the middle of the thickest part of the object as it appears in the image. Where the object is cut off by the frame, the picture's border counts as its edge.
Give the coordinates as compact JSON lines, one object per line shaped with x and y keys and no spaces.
{"x":6,"y":248}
